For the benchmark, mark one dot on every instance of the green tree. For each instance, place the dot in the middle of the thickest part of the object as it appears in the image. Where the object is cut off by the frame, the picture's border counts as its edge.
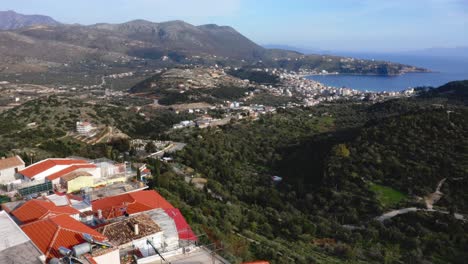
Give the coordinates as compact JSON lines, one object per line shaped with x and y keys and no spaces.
{"x":342,"y":150}
{"x":150,"y":147}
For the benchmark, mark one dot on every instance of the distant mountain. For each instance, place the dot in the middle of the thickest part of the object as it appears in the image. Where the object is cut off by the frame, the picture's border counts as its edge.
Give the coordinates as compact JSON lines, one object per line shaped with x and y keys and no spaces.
{"x":150,"y":40}
{"x":50,"y":44}
{"x":184,"y":38}
{"x":10,"y":20}
{"x":297,"y":49}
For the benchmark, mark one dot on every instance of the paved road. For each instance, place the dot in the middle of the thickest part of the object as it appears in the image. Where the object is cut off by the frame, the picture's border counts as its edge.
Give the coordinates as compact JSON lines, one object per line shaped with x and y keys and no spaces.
{"x":173,"y":147}
{"x":430,"y":201}
{"x":394,"y":213}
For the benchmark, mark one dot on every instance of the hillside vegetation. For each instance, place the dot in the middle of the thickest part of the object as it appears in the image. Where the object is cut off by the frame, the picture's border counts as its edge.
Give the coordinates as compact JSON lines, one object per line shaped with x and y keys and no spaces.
{"x":42,"y":126}
{"x":342,"y":165}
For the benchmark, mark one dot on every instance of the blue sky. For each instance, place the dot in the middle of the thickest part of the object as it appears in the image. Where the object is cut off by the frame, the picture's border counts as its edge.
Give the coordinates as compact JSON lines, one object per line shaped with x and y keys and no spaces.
{"x":345,"y":25}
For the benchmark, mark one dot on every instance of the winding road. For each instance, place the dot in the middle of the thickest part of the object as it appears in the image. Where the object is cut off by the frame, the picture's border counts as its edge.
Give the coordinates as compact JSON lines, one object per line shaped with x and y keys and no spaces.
{"x":430,"y":200}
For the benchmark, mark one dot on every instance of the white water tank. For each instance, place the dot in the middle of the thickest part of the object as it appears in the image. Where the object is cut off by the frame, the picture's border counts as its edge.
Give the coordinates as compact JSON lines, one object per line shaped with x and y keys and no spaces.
{"x":81,"y":249}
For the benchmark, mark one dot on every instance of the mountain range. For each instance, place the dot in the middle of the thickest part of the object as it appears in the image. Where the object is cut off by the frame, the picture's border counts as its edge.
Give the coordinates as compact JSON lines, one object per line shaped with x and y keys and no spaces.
{"x":10,"y":20}
{"x":38,"y":43}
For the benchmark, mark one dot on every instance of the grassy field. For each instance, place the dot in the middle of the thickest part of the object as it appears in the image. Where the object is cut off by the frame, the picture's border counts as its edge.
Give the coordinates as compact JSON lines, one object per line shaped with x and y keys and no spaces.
{"x":386,"y":195}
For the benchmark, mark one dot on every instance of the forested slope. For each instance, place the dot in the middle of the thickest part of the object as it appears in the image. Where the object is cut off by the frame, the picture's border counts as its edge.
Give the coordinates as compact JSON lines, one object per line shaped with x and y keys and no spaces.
{"x":342,"y":164}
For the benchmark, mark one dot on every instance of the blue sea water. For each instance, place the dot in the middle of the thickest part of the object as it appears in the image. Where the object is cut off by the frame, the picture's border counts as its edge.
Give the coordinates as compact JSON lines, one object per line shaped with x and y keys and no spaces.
{"x":444,"y":70}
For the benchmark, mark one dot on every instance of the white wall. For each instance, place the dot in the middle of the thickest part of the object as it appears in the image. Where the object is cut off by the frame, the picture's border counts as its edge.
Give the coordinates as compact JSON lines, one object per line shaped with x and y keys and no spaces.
{"x":109,"y":258}
{"x":96,"y":172}
{"x":146,"y":249}
{"x":44,"y":174}
{"x":8,"y":175}
{"x":107,"y":169}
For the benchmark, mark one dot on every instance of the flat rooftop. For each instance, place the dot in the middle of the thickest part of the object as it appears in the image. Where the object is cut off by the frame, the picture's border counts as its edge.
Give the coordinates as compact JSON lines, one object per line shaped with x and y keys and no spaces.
{"x":199,"y":255}
{"x":116,"y":189}
{"x":15,"y":245}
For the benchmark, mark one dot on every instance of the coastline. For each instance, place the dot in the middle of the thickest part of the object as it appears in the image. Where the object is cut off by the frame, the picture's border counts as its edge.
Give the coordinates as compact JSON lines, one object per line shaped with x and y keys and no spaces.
{"x":388,"y":82}
{"x":365,"y":74}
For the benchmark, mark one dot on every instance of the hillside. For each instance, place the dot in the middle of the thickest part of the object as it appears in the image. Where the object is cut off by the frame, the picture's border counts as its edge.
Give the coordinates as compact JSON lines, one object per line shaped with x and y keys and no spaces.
{"x":154,"y":40}
{"x":192,"y":85}
{"x":454,"y":92}
{"x":21,"y":53}
{"x":342,"y":166}
{"x":175,"y":42}
{"x":187,"y":39}
{"x":10,"y":20}
{"x":45,"y":126}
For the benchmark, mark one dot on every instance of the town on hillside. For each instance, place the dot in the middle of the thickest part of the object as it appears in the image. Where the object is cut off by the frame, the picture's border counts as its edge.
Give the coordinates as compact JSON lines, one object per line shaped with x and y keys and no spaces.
{"x":75,"y":210}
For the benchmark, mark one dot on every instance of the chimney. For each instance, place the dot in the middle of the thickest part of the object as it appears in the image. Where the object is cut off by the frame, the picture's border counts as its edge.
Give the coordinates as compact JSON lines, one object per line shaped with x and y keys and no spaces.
{"x":99,"y":214}
{"x":136,"y":229}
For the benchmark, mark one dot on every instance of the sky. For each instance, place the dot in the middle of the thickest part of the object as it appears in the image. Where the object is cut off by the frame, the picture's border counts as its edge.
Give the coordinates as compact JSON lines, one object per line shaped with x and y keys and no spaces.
{"x":344,"y":25}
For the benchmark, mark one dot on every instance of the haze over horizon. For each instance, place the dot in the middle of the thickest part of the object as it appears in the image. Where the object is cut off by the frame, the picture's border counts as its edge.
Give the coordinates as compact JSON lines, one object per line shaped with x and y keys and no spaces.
{"x":351,"y":25}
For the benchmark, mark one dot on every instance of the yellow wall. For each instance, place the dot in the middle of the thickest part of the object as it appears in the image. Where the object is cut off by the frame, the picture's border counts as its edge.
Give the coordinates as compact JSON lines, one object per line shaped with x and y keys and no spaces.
{"x":109,"y":181}
{"x":86,"y":181}
{"x":80,"y":182}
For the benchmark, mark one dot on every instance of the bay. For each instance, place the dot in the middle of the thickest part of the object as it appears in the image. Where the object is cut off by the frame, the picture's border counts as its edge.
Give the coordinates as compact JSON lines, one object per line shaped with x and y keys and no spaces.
{"x":445,"y":70}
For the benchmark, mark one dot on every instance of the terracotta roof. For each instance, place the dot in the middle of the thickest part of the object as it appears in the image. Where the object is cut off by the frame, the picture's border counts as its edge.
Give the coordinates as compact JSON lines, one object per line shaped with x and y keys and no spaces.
{"x":69,"y":170}
{"x":44,"y":165}
{"x":122,"y":232}
{"x":131,"y":203}
{"x":34,"y":210}
{"x":62,"y":230}
{"x":11,"y":162}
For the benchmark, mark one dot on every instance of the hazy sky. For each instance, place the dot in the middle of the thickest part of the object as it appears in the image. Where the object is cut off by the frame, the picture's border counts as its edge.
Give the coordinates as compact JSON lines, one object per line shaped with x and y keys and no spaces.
{"x":358,"y":25}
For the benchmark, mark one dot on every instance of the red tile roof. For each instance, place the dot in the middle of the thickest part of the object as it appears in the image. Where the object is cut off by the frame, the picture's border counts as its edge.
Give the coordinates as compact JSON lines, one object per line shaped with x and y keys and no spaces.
{"x":44,"y":165}
{"x":12,"y":162}
{"x":131,"y":203}
{"x":62,"y":230}
{"x":34,"y":210}
{"x":68,"y":170}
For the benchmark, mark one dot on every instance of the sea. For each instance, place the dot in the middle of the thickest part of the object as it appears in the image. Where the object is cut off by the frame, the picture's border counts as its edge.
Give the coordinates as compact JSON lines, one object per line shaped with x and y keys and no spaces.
{"x":444,"y":70}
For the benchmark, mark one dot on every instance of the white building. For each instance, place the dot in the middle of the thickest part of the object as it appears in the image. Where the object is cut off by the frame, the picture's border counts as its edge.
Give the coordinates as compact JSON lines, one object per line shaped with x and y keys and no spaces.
{"x":8,"y":169}
{"x":146,"y":232}
{"x":53,"y":169}
{"x":84,"y":128}
{"x":109,"y":168}
{"x":136,"y":232}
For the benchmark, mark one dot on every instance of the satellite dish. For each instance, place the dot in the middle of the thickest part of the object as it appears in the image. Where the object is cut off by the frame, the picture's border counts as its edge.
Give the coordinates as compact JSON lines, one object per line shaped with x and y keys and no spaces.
{"x":88,"y":238}
{"x":65,"y":251}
